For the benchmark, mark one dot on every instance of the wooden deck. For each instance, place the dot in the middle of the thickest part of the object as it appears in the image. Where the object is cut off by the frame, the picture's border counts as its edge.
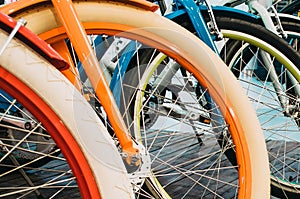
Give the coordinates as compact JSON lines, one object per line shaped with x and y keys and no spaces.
{"x":183,"y":150}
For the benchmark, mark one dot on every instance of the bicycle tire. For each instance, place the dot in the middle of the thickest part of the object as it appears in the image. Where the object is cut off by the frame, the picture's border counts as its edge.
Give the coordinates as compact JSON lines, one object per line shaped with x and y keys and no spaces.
{"x":142,"y":19}
{"x":53,"y":101}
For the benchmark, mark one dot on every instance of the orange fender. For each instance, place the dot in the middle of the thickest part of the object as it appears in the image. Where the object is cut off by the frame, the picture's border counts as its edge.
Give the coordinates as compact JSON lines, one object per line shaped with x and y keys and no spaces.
{"x":34,"y":42}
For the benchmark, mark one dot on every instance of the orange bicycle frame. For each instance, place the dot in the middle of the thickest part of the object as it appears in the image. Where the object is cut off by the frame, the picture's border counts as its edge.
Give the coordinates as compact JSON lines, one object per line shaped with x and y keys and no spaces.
{"x":76,"y":33}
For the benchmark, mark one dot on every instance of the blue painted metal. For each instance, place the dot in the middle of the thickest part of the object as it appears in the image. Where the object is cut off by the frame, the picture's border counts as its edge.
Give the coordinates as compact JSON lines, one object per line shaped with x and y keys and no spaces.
{"x":119,"y":72}
{"x":193,"y":11}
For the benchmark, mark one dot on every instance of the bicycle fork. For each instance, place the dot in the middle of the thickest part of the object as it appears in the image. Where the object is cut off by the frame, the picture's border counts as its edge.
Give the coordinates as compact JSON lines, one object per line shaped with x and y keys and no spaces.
{"x":76,"y":33}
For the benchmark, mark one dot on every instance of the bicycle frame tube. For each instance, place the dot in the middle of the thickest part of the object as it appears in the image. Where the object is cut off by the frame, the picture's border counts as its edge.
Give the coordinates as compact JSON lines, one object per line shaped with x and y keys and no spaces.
{"x":121,"y":69}
{"x":198,"y":22}
{"x":76,"y":33}
{"x":264,"y":14}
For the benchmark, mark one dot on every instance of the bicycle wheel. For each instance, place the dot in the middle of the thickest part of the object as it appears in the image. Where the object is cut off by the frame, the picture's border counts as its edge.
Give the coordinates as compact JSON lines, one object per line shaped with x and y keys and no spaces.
{"x":47,"y":121}
{"x":103,"y":18}
{"x":246,"y":49}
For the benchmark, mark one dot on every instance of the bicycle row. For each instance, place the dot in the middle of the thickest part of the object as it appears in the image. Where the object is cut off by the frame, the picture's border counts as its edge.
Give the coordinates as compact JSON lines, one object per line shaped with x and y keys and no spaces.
{"x":128,"y":104}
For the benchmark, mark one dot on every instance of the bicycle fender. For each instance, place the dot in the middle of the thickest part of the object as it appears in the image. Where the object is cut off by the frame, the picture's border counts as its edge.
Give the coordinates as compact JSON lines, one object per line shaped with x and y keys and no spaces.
{"x":33,"y":41}
{"x":233,"y":12}
{"x":23,"y":4}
